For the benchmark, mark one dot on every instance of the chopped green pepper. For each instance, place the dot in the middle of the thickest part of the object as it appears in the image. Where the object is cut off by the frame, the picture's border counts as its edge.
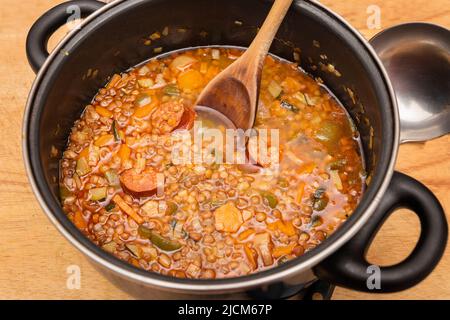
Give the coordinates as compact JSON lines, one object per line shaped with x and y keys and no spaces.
{"x":286,"y":105}
{"x":171,"y":208}
{"x":133,"y":249}
{"x":158,"y":240}
{"x":171,"y":90}
{"x":82,"y":167}
{"x":110,"y":206}
{"x":64,"y":193}
{"x":271,"y":199}
{"x":112,"y":177}
{"x":115,"y":131}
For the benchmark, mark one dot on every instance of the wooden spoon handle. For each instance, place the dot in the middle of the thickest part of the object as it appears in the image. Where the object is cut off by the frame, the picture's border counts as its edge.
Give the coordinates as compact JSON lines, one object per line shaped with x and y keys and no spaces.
{"x":263,"y":40}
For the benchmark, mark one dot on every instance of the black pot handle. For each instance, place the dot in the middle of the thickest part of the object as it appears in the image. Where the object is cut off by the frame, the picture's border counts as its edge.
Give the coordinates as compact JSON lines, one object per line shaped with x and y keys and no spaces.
{"x":48,"y":23}
{"x":349,"y":268}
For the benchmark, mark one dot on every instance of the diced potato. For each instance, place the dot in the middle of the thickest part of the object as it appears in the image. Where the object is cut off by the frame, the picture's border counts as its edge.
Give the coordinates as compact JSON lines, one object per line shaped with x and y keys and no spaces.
{"x":190,"y":80}
{"x":151,"y":208}
{"x":228,"y":218}
{"x":182,"y":62}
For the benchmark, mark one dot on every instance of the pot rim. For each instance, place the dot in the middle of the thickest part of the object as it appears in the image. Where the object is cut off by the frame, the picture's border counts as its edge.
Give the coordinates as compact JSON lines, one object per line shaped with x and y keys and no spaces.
{"x":217,"y":285}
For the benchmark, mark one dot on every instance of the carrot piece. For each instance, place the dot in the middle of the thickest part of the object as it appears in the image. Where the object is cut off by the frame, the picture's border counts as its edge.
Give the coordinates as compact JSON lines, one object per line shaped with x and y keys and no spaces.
{"x":306,"y":168}
{"x":250,"y":256}
{"x":146,"y":110}
{"x":114,"y":80}
{"x":84,"y":153}
{"x":300,"y":192}
{"x":285,"y":227}
{"x":79,"y":221}
{"x":104,"y":140}
{"x":103,"y":112}
{"x":190,"y":80}
{"x":283,"y":250}
{"x":127,"y":209}
{"x":228,"y":218}
{"x":124,"y":153}
{"x":245,"y":234}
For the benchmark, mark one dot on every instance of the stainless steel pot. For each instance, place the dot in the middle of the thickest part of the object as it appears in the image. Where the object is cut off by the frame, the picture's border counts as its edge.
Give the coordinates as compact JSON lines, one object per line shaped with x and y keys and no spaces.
{"x":112,"y":39}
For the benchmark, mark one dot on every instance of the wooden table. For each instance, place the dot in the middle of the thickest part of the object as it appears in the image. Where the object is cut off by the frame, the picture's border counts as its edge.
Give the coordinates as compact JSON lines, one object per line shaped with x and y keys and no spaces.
{"x":34,"y":257}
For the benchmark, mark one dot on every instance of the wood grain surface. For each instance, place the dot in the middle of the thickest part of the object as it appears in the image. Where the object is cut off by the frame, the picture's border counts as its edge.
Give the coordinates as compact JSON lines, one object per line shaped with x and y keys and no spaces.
{"x":34,"y":257}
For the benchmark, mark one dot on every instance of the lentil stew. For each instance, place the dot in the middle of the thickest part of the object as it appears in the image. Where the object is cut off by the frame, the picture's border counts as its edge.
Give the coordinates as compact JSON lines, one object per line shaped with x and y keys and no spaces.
{"x":212,"y":220}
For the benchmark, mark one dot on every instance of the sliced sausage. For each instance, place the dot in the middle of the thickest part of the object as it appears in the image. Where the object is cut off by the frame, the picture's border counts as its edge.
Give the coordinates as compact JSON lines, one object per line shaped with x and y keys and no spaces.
{"x":187,"y":119}
{"x":139,"y":184}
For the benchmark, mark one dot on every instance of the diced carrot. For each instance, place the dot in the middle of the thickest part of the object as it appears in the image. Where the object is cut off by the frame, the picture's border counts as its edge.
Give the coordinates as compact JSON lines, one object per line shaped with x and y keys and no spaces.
{"x":115,"y":78}
{"x":190,"y":80}
{"x":306,"y":168}
{"x":127,"y":209}
{"x":84,"y":153}
{"x":282,"y":251}
{"x":245,"y":234}
{"x":124,"y":153}
{"x":146,"y":110}
{"x":228,"y":218}
{"x":104,"y":140}
{"x":250,"y":256}
{"x":103,"y":112}
{"x":79,"y":221}
{"x":300,"y":192}
{"x":285,"y":227}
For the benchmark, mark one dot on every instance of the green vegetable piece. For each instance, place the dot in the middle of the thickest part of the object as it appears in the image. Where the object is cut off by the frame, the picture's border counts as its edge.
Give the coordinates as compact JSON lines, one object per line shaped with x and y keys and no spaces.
{"x":82,"y":167}
{"x":171,"y":208}
{"x":112,"y":177}
{"x":158,"y":240}
{"x":329,"y":134}
{"x":110,"y":206}
{"x":115,"y":131}
{"x":271,"y":199}
{"x":171,"y":90}
{"x":133,"y":249}
{"x":274,"y":89}
{"x":338,"y":164}
{"x":320,"y":199}
{"x":64,"y":193}
{"x":97,"y":194}
{"x":286,"y":105}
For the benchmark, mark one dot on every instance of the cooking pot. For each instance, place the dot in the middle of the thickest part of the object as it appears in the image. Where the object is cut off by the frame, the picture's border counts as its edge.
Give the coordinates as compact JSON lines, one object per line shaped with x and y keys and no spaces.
{"x":113,"y":38}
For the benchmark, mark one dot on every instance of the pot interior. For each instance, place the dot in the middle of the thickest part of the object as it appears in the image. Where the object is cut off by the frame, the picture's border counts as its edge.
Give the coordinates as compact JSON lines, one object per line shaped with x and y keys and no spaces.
{"x":118,"y":40}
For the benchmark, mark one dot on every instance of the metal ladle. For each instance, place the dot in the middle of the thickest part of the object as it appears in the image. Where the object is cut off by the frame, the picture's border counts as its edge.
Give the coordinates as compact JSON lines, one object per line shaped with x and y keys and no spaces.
{"x":416,"y":57}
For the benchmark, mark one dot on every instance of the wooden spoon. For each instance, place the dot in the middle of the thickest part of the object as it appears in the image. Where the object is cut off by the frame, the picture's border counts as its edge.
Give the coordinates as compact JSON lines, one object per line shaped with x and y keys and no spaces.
{"x":234,"y":92}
